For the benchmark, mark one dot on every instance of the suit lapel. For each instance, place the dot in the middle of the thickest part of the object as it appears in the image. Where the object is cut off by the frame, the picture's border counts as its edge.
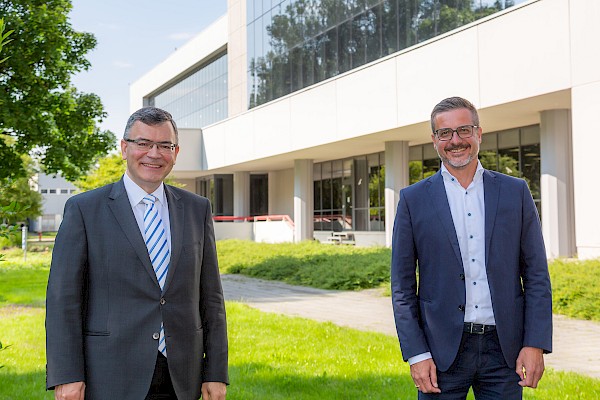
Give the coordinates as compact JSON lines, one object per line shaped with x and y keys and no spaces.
{"x":121,"y":208}
{"x":491,"y":192}
{"x":437,"y":193}
{"x":176,"y":218}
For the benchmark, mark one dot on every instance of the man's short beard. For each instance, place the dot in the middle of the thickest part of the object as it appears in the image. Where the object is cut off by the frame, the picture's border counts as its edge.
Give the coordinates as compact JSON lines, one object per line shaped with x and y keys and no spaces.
{"x":462,"y":165}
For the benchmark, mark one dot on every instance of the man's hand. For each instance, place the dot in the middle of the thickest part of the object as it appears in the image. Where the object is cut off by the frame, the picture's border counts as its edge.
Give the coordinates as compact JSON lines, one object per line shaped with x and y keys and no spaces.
{"x":70,"y":391}
{"x":530,"y":366}
{"x":214,"y":391}
{"x":424,"y":374}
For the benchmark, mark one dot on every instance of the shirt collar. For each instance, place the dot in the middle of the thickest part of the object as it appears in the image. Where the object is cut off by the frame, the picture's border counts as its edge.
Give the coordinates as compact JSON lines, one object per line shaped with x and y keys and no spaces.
{"x":476,"y":179}
{"x":136,"y":193}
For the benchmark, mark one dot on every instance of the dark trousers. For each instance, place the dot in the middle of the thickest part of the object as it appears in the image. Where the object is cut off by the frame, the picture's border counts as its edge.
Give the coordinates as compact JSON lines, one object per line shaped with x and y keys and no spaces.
{"x":161,"y":387}
{"x":481,"y":365}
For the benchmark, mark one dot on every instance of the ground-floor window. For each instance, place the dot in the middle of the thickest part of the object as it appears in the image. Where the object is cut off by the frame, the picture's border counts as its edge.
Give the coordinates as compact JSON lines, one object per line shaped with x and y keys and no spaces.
{"x":259,"y":194}
{"x":349,"y":194}
{"x":219,"y":190}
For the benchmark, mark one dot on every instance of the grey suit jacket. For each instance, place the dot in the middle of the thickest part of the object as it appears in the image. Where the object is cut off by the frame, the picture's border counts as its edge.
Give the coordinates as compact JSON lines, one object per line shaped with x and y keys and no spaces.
{"x":104,"y":303}
{"x":429,"y":313}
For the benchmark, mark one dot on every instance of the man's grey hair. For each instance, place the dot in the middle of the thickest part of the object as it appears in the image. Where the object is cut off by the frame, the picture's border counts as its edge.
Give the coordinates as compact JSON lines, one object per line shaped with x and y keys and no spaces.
{"x":150,"y":116}
{"x":453,"y":103}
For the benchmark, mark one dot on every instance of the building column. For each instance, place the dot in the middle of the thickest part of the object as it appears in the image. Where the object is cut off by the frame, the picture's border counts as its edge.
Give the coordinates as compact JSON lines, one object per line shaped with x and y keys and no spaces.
{"x":241,"y":194}
{"x":556,"y":184}
{"x":396,"y":178}
{"x":585,"y":103}
{"x":303,"y":200}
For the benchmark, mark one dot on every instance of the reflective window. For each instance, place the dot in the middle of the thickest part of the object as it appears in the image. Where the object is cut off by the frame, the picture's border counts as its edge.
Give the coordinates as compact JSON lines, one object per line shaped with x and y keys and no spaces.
{"x":199,"y":99}
{"x":349,"y":194}
{"x":293,"y":44}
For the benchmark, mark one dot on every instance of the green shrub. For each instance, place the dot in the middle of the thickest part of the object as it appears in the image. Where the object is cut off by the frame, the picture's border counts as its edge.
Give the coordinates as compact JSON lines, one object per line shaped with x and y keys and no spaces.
{"x":576,"y":288}
{"x":307,"y":263}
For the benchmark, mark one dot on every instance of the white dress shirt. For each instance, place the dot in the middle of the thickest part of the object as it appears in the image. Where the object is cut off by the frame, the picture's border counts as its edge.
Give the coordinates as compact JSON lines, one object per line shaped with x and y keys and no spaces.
{"x":136,"y":195}
{"x":467,"y":207}
{"x":468,"y":214}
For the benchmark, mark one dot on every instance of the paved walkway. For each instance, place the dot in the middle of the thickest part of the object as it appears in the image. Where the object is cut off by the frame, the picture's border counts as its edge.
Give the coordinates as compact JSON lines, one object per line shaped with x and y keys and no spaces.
{"x":576,"y":343}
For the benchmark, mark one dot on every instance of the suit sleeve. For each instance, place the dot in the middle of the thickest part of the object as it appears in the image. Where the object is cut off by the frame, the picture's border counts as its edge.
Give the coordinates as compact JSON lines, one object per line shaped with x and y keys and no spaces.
{"x":404,"y":284}
{"x":212,"y":308}
{"x":64,"y":301}
{"x":535,"y":278}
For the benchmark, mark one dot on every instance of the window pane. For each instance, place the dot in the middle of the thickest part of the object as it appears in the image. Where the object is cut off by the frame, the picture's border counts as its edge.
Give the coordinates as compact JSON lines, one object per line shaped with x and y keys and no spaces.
{"x":508,"y":161}
{"x":415,"y":171}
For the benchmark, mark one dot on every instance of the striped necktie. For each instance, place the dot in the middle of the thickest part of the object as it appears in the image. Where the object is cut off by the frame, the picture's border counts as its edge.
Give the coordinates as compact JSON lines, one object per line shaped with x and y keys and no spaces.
{"x":158,"y":249}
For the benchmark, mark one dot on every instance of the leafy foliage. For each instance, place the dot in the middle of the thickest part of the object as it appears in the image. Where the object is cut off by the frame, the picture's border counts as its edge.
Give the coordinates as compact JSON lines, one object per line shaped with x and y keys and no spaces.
{"x":308,"y":263}
{"x":108,"y":170}
{"x":23,"y":201}
{"x":4,"y":40}
{"x":576,"y":288}
{"x":39,"y":108}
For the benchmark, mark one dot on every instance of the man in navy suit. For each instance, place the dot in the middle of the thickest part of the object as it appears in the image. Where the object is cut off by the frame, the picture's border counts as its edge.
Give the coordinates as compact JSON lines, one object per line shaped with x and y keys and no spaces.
{"x":480,"y":313}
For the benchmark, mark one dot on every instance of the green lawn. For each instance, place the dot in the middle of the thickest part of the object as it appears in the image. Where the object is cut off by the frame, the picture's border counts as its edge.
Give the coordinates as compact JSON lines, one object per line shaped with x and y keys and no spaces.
{"x":271,"y":356}
{"x":274,"y":357}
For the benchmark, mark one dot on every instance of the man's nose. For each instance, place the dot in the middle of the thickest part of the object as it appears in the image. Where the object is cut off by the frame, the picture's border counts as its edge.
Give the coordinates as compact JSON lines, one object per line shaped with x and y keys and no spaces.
{"x":153,"y":152}
{"x":455,"y":138}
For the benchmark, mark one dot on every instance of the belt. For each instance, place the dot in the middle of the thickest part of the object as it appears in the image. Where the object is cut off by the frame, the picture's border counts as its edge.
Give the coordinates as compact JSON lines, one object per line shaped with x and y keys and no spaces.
{"x":478,"y":329}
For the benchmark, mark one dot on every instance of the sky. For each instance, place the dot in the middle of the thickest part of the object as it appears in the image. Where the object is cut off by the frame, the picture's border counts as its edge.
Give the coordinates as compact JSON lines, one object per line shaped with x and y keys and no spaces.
{"x":133,"y":37}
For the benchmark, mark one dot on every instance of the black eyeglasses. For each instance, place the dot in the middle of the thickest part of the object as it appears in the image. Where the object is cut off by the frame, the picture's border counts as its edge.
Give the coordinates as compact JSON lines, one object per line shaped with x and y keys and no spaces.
{"x":463,"y":132}
{"x":146,"y":145}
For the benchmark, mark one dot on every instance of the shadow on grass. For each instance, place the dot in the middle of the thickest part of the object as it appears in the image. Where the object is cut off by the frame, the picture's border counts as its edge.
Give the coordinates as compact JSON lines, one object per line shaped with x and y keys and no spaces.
{"x":351,"y":271}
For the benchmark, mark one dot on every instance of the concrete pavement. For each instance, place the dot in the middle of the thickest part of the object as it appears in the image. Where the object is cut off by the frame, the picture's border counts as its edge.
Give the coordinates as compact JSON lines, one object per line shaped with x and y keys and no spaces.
{"x":576,"y":343}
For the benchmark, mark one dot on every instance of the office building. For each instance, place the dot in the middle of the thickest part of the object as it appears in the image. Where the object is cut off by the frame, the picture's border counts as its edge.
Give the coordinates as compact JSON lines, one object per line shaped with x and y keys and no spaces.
{"x":319,"y":109}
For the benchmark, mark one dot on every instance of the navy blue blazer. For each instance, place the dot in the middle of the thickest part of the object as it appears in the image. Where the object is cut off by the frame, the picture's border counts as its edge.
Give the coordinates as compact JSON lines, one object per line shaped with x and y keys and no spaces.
{"x":429,"y":311}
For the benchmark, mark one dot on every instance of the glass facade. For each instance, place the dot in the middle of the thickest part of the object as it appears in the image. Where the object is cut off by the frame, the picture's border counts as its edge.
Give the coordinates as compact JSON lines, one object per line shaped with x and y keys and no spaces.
{"x":293,"y":44}
{"x":514,"y":152}
{"x":200,"y":98}
{"x":349,"y":194}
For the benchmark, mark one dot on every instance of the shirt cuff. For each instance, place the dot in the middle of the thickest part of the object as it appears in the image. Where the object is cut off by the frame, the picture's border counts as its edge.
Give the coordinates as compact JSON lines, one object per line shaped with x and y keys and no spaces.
{"x":419,"y":358}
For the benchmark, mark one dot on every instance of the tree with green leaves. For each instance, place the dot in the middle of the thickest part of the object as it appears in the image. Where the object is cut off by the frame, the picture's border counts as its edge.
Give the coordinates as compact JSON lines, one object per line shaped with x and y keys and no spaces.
{"x":41,"y":113}
{"x":110,"y":169}
{"x":4,"y":40}
{"x":19,"y":191}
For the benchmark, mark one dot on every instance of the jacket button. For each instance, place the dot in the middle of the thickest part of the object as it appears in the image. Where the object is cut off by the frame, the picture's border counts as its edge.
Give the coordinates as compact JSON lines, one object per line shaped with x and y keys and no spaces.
{"x":162,"y":301}
{"x":155,"y":335}
{"x":461,"y":308}
{"x":462,"y":277}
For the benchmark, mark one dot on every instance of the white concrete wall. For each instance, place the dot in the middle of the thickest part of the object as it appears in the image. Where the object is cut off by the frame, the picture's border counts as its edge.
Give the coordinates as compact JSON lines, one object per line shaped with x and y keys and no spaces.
{"x":585,"y":53}
{"x":273,"y":232}
{"x":234,"y":230}
{"x":260,"y":231}
{"x":281,"y":193}
{"x":190,"y":156}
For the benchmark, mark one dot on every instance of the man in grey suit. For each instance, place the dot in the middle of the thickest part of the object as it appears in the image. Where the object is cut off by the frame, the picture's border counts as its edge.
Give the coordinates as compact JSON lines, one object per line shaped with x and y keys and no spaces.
{"x":480,"y":313}
{"x":135,"y":306}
